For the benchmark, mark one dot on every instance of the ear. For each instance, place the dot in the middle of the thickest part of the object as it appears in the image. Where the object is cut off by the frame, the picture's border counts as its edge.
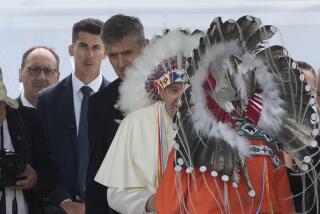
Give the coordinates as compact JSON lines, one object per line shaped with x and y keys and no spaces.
{"x":58,"y":76}
{"x":105,"y":54}
{"x":20,"y":74}
{"x":70,"y":49}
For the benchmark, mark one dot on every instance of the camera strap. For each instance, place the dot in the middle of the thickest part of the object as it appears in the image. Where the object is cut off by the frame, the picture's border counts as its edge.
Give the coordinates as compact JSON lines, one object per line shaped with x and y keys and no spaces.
{"x":24,"y":133}
{"x":2,"y":190}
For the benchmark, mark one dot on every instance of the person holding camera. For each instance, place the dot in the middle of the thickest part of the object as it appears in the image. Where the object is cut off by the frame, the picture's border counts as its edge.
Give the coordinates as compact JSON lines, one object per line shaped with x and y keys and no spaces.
{"x":27,"y":173}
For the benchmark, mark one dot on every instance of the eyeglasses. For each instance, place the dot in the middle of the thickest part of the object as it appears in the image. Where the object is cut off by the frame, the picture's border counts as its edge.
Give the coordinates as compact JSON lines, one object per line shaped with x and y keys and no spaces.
{"x":35,"y":71}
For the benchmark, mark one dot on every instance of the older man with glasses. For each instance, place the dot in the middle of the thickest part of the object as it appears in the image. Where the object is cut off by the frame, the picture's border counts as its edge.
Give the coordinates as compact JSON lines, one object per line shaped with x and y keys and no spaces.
{"x":27,"y":172}
{"x":39,"y":69}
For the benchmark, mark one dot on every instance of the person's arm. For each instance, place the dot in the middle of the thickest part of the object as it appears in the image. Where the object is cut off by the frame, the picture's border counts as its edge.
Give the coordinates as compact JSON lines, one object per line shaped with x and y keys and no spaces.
{"x":43,"y":164}
{"x":129,"y":201}
{"x":41,"y":173}
{"x":59,"y":193}
{"x":96,"y":194}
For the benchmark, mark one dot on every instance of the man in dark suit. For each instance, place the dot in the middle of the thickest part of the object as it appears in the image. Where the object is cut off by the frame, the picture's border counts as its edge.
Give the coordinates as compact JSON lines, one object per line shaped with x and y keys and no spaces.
{"x":123,"y":37}
{"x":62,"y":108}
{"x":22,"y":132}
{"x":39,"y":69}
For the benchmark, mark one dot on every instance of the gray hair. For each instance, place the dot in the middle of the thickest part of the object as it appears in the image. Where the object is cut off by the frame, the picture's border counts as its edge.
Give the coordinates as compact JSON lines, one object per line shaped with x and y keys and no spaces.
{"x":119,"y":26}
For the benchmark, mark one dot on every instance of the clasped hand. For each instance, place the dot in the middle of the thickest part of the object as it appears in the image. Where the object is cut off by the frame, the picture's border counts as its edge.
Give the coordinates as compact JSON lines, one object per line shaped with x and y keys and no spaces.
{"x":29,"y":181}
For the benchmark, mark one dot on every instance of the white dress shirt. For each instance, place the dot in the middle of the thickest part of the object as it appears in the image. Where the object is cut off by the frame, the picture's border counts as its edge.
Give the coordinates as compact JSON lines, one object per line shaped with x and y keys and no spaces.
{"x":22,"y":205}
{"x":77,"y":94}
{"x":77,"y":99}
{"x":24,"y":101}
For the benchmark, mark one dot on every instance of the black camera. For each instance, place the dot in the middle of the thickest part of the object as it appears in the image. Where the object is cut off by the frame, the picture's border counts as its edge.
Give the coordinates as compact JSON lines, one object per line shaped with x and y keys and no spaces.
{"x":11,"y":166}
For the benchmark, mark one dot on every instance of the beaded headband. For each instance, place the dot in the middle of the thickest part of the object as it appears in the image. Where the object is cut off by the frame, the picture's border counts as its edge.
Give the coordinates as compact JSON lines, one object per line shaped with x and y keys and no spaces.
{"x":166,"y":73}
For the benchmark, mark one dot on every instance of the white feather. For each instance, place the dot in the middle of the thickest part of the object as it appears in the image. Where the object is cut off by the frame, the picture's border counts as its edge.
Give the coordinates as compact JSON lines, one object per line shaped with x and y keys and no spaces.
{"x":205,"y":123}
{"x":132,"y":90}
{"x":272,"y":113}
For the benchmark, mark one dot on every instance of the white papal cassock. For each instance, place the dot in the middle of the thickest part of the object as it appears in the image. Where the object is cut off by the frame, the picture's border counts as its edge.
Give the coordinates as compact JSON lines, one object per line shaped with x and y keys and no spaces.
{"x":130,"y":167}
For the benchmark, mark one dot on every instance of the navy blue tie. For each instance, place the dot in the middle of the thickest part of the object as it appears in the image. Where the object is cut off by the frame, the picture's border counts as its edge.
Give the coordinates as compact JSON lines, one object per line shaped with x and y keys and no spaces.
{"x":83,"y":141}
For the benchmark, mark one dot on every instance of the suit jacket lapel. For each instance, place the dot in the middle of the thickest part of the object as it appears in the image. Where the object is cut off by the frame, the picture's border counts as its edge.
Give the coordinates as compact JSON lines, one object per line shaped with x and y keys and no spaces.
{"x":18,"y":133}
{"x":67,"y":110}
{"x":104,"y":83}
{"x":116,"y":113}
{"x":68,"y":107}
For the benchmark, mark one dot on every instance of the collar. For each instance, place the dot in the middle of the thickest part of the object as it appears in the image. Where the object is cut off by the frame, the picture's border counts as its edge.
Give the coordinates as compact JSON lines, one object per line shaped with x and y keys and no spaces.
{"x":24,"y":101}
{"x":94,"y":84}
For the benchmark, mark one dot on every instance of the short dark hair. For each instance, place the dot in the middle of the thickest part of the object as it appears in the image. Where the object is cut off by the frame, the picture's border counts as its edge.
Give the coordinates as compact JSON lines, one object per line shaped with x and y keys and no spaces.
{"x":27,"y":52}
{"x":119,"y":26}
{"x":88,"y":25}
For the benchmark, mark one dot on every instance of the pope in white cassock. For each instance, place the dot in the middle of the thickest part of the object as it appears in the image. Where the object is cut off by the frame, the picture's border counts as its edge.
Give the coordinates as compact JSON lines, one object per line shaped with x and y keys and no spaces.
{"x":137,"y":157}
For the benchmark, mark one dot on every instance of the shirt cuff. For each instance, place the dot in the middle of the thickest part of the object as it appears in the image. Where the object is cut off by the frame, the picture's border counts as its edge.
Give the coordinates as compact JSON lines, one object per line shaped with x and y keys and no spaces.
{"x":131,"y":200}
{"x":64,"y":201}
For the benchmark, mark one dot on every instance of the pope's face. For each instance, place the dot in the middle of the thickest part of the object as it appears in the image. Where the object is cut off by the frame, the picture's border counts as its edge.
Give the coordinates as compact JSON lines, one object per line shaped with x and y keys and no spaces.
{"x":171,"y":97}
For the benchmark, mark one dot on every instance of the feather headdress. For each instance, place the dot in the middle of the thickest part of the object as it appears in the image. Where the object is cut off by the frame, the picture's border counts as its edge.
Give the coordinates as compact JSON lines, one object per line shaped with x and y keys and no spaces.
{"x":242,"y":90}
{"x":133,"y":93}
